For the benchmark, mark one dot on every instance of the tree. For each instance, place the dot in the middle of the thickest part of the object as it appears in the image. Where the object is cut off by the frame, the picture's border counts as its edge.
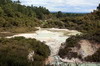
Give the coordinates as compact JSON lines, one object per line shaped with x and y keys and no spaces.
{"x":8,"y":10}
{"x":59,"y":14}
{"x":98,"y":7}
{"x":17,"y":2}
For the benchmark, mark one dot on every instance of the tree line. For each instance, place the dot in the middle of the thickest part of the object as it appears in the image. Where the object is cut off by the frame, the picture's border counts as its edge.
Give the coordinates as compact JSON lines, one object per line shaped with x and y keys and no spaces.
{"x":14,"y":15}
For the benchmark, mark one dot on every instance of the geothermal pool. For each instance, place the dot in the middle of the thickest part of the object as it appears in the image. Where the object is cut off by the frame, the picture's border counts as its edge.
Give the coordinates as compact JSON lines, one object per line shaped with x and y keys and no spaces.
{"x":53,"y":37}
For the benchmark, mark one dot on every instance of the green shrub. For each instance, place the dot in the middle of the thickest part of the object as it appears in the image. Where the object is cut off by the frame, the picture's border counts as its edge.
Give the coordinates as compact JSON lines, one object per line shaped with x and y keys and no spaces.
{"x":14,"y":52}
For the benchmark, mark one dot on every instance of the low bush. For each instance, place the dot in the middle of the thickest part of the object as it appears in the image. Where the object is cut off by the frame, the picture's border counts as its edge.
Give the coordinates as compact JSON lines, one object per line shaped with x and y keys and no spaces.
{"x":14,"y":52}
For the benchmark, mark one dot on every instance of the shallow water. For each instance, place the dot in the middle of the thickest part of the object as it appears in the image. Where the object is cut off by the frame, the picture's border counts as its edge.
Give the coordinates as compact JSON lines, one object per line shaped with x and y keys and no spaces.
{"x":58,"y":62}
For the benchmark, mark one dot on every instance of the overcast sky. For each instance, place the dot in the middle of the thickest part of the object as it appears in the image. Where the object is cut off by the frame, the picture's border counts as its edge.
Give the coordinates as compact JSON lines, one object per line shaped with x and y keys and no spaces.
{"x":65,"y":5}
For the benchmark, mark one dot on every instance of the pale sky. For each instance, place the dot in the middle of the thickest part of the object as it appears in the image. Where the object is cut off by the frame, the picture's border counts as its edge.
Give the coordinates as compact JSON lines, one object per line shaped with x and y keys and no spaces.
{"x":64,"y":5}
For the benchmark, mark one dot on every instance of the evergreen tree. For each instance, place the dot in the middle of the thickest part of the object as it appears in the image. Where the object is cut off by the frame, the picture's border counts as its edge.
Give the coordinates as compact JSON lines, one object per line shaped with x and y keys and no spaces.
{"x":18,"y":2}
{"x":98,"y":7}
{"x":59,"y":14}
